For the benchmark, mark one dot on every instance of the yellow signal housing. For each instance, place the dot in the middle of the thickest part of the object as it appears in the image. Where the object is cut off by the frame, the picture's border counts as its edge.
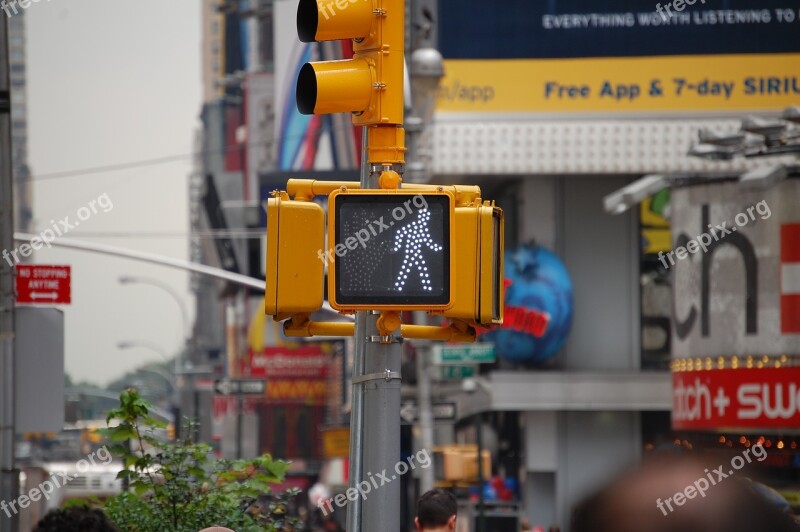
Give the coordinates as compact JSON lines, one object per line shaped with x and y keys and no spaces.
{"x":371,"y":84}
{"x":295,"y":271}
{"x":479,"y":293}
{"x":385,"y":48}
{"x":335,"y":86}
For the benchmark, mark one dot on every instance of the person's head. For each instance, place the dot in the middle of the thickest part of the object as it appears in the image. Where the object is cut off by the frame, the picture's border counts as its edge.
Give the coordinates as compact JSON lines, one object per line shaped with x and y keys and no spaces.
{"x":664,"y":495}
{"x":436,"y":510}
{"x":75,"y":519}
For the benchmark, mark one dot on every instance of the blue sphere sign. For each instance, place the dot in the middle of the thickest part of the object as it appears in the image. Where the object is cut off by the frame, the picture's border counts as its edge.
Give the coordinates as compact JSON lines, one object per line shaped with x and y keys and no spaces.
{"x":539,"y":306}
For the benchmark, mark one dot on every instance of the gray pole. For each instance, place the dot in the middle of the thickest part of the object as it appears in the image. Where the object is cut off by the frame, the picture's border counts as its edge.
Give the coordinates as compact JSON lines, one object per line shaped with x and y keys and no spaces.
{"x":357,"y":401}
{"x":426,"y":474}
{"x":479,"y":438}
{"x":381,"y":452}
{"x":357,"y":423}
{"x":426,"y":71}
{"x":9,"y":475}
{"x":375,"y":415}
{"x":239,"y":423}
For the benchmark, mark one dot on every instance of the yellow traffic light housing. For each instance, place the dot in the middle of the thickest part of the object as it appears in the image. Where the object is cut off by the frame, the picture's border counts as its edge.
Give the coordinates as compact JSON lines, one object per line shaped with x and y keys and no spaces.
{"x":371,"y":84}
{"x":479,"y":291}
{"x":295,"y":268}
{"x":390,"y":250}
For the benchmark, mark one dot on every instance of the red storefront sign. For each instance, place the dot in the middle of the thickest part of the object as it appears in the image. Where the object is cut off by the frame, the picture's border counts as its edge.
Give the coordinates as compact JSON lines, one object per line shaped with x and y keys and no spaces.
{"x":736,"y":399}
{"x":307,"y":362}
{"x":293,"y":374}
{"x":44,"y":285}
{"x":790,"y":278}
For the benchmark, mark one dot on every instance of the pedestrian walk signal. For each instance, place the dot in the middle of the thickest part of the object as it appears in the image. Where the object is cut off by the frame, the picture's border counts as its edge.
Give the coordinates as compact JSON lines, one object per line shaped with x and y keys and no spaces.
{"x":389,"y":250}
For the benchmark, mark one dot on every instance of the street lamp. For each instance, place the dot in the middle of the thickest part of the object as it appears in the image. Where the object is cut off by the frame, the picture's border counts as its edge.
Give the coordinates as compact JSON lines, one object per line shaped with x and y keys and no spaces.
{"x":426,"y":72}
{"x":166,"y":376}
{"x":133,"y":344}
{"x":187,"y":337}
{"x":471,"y":386}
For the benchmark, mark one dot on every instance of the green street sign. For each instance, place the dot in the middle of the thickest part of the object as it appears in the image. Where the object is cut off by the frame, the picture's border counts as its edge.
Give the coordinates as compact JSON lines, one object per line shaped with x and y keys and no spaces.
{"x":454,"y":373}
{"x":464,"y":354}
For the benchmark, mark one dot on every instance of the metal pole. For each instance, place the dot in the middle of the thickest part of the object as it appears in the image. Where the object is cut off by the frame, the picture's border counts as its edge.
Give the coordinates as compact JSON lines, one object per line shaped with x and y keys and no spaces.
{"x":239,"y":423}
{"x":426,"y":475}
{"x":357,"y":401}
{"x":426,"y":71}
{"x":9,"y":475}
{"x":375,"y":419}
{"x":479,"y":437}
{"x":357,"y":423}
{"x":195,"y":410}
{"x":381,"y":453}
{"x":152,"y":258}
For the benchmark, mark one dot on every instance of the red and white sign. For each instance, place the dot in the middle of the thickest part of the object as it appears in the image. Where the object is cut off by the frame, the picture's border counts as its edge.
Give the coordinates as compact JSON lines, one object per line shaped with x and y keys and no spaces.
{"x":307,"y":362}
{"x":790,"y":278}
{"x":44,"y":284}
{"x":736,"y":399}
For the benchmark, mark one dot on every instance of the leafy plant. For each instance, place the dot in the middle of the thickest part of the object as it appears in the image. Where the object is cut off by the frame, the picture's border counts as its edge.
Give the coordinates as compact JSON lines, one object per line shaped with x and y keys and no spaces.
{"x":179,"y":487}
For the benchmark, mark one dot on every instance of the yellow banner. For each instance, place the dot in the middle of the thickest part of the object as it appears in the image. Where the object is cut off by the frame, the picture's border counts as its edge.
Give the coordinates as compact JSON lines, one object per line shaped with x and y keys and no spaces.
{"x":309,"y":391}
{"x":654,"y":84}
{"x":336,"y":442}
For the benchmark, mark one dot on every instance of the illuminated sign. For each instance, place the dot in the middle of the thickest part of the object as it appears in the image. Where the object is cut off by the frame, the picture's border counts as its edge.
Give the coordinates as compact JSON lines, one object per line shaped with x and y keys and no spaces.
{"x":390,"y":250}
{"x":736,"y":398}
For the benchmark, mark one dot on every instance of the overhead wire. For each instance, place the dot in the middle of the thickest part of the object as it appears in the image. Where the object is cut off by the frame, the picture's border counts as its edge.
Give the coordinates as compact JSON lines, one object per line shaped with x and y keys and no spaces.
{"x":165,"y":159}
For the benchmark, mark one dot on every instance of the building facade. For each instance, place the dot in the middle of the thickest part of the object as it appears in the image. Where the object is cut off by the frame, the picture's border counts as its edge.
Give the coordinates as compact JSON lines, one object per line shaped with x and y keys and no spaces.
{"x":557,"y":110}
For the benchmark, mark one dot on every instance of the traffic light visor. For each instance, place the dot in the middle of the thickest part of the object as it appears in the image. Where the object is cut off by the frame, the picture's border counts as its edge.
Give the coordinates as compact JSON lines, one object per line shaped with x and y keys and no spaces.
{"x":331,"y":20}
{"x":334,"y":87}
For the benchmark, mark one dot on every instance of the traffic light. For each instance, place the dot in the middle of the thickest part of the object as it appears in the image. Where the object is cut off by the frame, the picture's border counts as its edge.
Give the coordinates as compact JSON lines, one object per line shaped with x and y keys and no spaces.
{"x":370,"y":85}
{"x":390,"y":250}
{"x":295,"y":267}
{"x":459,"y":463}
{"x":479,"y":290}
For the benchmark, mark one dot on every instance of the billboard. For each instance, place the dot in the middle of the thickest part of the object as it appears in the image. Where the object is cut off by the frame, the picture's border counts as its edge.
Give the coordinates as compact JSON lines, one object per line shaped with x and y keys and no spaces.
{"x":281,"y":362}
{"x":736,"y":272}
{"x":742,"y":399}
{"x":619,"y":56}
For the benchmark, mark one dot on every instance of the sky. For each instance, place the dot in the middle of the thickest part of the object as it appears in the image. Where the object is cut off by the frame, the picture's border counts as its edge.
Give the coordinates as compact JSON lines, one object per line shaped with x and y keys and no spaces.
{"x":110,"y":82}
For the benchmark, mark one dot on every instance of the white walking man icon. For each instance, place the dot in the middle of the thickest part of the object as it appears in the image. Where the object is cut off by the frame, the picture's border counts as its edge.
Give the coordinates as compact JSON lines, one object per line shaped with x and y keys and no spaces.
{"x":416,"y":235}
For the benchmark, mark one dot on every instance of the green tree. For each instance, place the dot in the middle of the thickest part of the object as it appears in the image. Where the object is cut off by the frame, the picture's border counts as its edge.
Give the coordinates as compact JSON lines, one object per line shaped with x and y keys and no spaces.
{"x":180,"y":488}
